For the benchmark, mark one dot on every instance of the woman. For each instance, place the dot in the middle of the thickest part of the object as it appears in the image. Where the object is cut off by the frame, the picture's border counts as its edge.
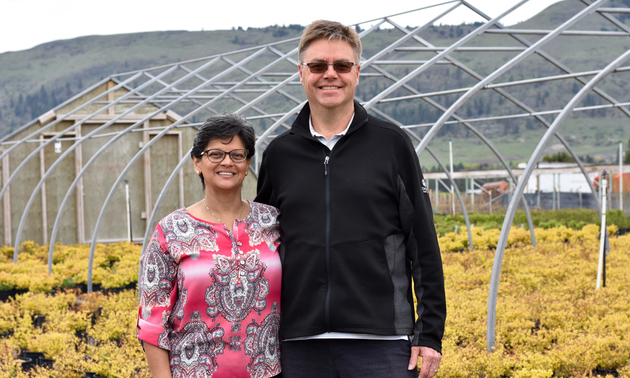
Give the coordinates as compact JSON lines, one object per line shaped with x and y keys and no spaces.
{"x":210,"y":289}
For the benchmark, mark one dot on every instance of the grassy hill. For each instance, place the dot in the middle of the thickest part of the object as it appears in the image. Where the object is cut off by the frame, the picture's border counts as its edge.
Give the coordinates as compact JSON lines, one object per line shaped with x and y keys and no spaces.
{"x":64,"y":68}
{"x":35,"y":80}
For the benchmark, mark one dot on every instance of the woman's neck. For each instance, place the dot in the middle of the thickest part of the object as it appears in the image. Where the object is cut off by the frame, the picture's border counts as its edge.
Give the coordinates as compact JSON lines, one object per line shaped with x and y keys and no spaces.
{"x":224,"y":207}
{"x":223,"y":202}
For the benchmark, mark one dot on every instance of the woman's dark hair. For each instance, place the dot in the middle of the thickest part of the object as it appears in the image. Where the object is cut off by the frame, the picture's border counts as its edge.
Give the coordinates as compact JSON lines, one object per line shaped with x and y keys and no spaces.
{"x":223,"y":125}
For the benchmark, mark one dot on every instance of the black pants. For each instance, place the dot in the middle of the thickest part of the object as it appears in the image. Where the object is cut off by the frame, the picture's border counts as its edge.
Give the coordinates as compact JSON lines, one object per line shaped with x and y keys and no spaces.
{"x":343,"y":358}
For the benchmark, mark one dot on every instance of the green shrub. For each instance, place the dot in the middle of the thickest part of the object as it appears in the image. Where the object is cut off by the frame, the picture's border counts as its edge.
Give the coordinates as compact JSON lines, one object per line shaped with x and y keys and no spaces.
{"x":571,"y":218}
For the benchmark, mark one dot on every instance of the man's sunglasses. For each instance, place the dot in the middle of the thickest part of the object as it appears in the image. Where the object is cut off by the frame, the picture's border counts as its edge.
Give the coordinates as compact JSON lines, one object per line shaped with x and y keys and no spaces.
{"x":321,"y":67}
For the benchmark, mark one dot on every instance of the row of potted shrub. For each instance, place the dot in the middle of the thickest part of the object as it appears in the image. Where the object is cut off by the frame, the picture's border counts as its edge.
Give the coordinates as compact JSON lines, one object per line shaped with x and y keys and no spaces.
{"x":115,"y":265}
{"x":570,"y":218}
{"x":551,"y":321}
{"x":78,"y":335}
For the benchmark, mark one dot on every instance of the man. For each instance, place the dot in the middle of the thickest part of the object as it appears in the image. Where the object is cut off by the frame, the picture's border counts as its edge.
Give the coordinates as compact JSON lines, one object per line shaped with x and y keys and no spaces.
{"x":356,"y":225}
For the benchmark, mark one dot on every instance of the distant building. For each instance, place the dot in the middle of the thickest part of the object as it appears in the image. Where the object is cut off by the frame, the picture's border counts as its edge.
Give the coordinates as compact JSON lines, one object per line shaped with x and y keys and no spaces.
{"x":146,"y":178}
{"x":558,"y":181}
{"x":616,"y":181}
{"x":494,"y":189}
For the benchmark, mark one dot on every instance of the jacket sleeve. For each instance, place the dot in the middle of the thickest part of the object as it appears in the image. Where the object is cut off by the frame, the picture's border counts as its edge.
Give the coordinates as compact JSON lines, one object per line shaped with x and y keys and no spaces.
{"x":423,"y":251}
{"x":158,"y":291}
{"x":265,"y":192}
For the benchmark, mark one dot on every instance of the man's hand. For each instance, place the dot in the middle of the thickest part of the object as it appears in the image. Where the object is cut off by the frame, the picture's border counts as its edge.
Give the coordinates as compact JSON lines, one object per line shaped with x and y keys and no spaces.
{"x":430,"y":361}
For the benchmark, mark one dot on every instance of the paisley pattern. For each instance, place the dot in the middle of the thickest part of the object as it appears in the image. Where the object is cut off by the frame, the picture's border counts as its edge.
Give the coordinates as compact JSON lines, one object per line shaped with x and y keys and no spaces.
{"x":180,"y":305}
{"x":186,"y":236}
{"x":235,"y":343}
{"x":262,"y":226}
{"x":201,"y":282}
{"x":238,"y":287}
{"x":194,"y":351}
{"x":263,"y":345}
{"x":157,"y":277}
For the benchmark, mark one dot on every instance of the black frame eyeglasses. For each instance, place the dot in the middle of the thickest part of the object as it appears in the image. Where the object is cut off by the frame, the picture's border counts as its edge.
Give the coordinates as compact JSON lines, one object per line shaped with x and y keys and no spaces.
{"x":216,"y":155}
{"x":321,"y":67}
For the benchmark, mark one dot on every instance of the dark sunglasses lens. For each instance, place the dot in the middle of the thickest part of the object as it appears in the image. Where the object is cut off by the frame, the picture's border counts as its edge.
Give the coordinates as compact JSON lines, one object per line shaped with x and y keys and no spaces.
{"x":318,"y":67}
{"x":343,"y":67}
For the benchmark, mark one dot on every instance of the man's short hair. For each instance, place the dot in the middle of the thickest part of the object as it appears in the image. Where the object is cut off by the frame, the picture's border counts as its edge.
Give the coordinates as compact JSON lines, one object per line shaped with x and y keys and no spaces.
{"x":330,"y":30}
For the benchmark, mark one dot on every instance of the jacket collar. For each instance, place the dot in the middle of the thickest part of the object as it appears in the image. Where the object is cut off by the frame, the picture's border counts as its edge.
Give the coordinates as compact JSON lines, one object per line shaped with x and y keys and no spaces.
{"x":300,"y":125}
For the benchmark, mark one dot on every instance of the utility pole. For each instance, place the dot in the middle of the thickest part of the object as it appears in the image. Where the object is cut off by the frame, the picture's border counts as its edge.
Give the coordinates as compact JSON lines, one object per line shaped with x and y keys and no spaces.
{"x":437,"y":195}
{"x":559,"y":191}
{"x":601,"y":269}
{"x":472,"y":193}
{"x":553,"y":204}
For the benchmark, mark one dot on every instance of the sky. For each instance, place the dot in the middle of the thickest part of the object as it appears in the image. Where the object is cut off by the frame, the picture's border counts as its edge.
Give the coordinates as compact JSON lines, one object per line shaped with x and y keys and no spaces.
{"x":28,"y":23}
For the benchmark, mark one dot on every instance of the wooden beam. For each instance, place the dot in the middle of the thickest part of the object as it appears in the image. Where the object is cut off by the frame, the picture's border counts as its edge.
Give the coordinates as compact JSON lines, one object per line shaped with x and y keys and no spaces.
{"x":172,"y":116}
{"x":108,"y":117}
{"x":42,"y":171}
{"x":6,"y":201}
{"x":148,"y":202}
{"x":78,"y":165}
{"x":70,"y":134}
{"x":110,"y":98}
{"x":47,"y":117}
{"x":181,"y":172}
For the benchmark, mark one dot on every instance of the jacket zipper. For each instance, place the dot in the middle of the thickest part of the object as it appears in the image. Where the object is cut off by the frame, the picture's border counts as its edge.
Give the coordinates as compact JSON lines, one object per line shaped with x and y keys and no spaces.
{"x":329,"y":289}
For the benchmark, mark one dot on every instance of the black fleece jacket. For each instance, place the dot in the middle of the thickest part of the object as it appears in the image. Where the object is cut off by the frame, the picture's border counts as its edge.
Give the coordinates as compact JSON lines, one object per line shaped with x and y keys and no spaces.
{"x":357,"y":225}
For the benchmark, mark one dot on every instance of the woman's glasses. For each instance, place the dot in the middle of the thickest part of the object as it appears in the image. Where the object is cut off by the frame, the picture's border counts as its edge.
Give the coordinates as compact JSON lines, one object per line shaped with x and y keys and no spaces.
{"x":216,"y":156}
{"x":321,"y":67}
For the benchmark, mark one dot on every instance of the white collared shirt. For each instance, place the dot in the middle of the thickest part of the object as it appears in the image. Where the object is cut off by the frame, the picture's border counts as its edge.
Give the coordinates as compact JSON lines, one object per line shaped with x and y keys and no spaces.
{"x":330,"y":143}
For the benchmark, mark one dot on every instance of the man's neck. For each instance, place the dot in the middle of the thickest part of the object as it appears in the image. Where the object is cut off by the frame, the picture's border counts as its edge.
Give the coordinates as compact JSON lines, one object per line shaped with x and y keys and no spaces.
{"x":331,"y":122}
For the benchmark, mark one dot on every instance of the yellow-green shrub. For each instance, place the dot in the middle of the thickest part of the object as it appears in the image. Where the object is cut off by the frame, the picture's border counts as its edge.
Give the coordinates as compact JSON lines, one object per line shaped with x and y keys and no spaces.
{"x":115,"y":265}
{"x":551,"y":321}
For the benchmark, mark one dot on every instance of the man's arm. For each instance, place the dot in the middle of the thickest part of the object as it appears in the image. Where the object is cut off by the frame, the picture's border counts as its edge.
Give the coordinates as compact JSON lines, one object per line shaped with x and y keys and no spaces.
{"x":424,"y":254}
{"x":264,"y":188}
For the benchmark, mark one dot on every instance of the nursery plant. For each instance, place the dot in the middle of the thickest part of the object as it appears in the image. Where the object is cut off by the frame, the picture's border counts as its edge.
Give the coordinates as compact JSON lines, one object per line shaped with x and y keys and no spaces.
{"x":551,"y":319}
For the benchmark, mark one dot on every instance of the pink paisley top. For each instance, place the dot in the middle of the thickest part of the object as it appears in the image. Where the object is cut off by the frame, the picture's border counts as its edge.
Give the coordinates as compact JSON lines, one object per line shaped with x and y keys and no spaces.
{"x":211,"y":296}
